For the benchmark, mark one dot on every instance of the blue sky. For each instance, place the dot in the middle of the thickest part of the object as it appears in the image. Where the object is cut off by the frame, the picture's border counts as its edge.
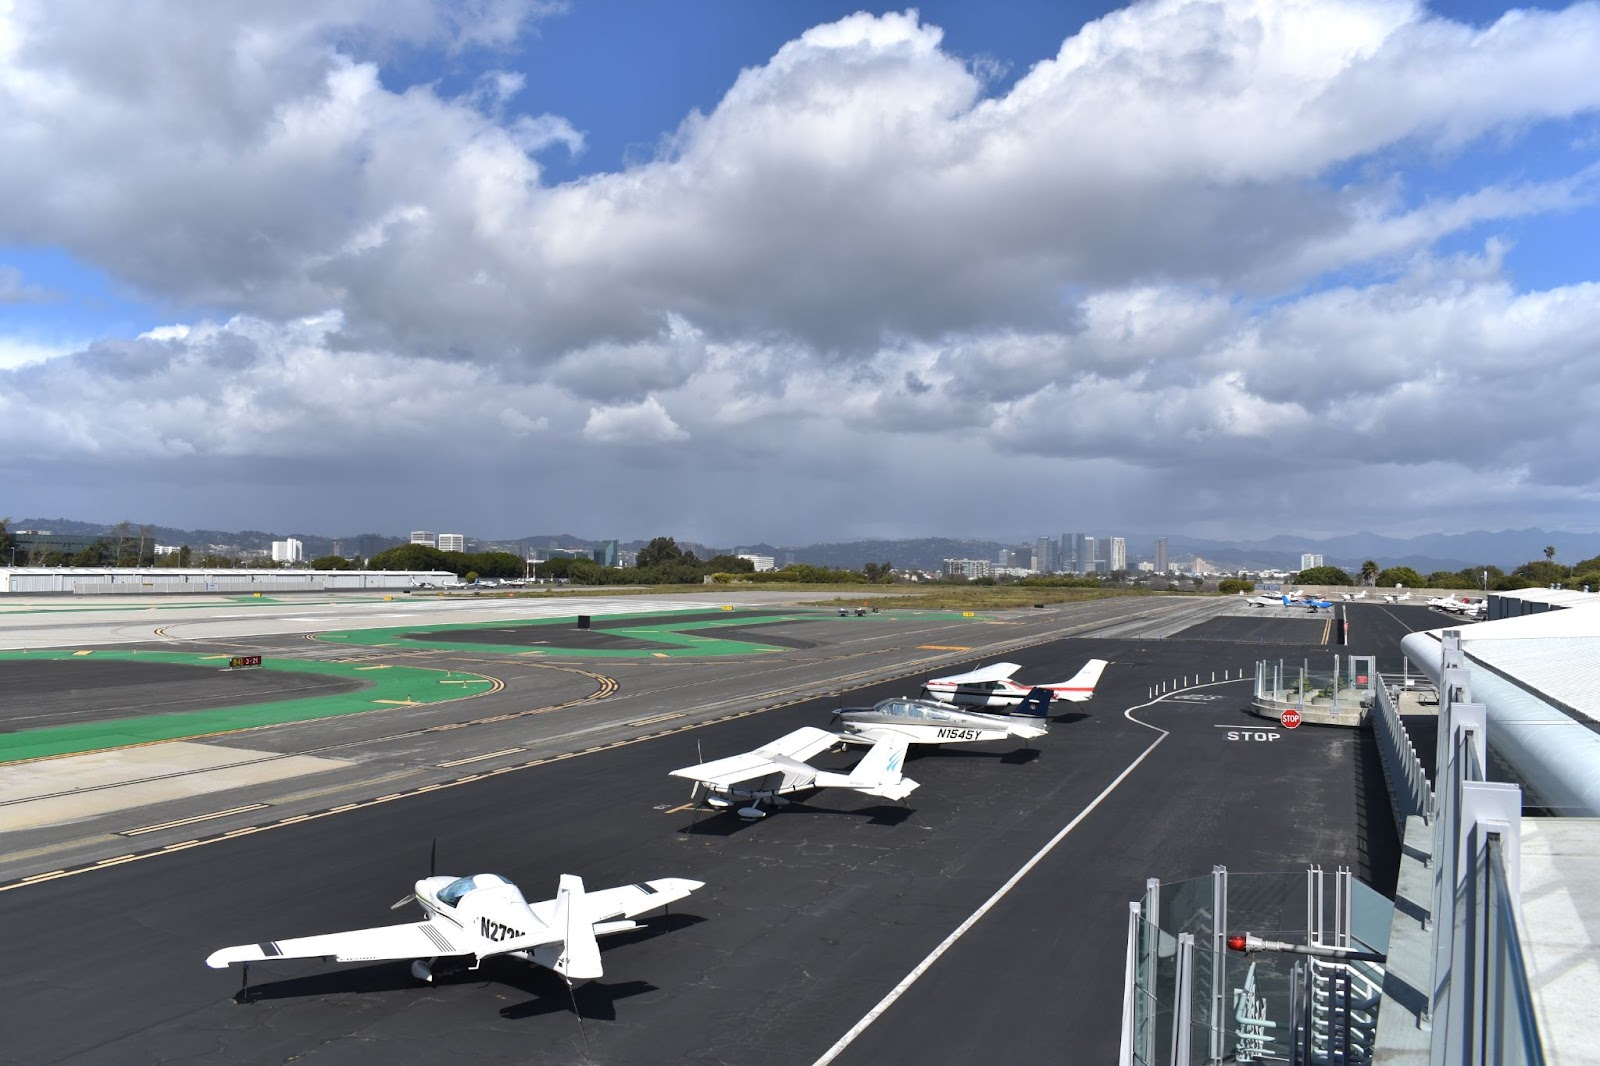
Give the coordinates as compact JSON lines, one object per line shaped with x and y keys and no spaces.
{"x":1128,"y":277}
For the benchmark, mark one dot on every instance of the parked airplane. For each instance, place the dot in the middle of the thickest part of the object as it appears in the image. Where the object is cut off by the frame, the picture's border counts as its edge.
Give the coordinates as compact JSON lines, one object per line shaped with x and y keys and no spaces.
{"x":1310,"y":602}
{"x":776,"y":769}
{"x":480,"y":916}
{"x":1392,"y":598}
{"x":932,"y":722}
{"x":1264,"y":601}
{"x":991,"y":686}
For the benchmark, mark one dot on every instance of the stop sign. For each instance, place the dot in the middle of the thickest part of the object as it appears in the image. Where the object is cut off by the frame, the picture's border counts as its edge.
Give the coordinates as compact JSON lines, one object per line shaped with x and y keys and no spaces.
{"x":1291,"y":718}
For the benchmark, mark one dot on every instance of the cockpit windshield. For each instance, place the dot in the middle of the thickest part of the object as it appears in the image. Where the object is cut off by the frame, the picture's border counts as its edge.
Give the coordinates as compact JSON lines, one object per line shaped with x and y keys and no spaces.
{"x":451,"y":894}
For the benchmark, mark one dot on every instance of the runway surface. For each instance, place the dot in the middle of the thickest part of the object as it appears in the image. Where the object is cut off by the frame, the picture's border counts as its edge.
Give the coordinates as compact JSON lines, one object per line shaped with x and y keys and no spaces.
{"x":43,"y":692}
{"x":809,"y":918}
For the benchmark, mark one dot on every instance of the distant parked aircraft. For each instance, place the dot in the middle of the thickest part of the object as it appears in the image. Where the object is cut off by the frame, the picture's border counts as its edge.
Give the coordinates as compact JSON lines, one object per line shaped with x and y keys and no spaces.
{"x":991,"y":686}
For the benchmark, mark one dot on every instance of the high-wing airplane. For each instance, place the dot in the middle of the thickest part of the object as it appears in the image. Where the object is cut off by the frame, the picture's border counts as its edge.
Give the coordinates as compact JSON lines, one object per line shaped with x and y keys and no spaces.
{"x":1310,"y":602}
{"x":480,"y":916}
{"x":1392,"y":598}
{"x":991,"y":686}
{"x":773,"y":770}
{"x":932,"y":722}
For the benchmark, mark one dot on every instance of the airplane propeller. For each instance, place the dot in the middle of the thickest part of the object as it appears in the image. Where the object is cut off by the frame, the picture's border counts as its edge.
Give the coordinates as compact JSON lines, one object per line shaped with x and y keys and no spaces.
{"x":433,"y":863}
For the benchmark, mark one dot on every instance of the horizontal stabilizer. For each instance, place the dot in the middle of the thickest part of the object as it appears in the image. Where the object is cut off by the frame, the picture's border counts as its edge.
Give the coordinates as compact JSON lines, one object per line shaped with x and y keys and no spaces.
{"x":878,"y":772}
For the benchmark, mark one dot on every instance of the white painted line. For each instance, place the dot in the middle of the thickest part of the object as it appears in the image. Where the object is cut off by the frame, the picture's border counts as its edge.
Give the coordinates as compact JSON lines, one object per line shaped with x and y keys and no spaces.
{"x":480,"y":758}
{"x":197,"y":818}
{"x":1244,"y":727}
{"x":1000,"y":893}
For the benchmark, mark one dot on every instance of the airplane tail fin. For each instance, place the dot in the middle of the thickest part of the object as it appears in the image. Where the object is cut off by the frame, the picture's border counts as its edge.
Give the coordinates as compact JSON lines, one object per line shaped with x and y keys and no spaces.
{"x":878,"y":772}
{"x":1036,"y":704}
{"x":1081,"y":685}
{"x":580,"y":952}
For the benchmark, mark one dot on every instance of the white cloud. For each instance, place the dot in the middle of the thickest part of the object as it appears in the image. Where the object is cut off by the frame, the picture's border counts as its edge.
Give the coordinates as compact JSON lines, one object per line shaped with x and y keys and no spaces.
{"x":1111,"y":278}
{"x":645,"y":422}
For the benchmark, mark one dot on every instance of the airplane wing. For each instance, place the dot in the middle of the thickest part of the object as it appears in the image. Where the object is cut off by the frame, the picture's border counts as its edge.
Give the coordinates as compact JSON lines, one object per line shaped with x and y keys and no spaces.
{"x":982,"y":675}
{"x":414,"y":940}
{"x":788,"y":752}
{"x":628,"y":900}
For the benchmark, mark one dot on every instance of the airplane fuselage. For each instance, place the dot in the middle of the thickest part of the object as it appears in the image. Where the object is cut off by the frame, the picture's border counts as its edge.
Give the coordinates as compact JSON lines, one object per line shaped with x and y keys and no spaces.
{"x":930,"y":722}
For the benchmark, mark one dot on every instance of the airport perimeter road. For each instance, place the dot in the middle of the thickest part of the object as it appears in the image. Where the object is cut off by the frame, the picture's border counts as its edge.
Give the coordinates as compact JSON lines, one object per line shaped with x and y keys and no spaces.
{"x":808,"y":920}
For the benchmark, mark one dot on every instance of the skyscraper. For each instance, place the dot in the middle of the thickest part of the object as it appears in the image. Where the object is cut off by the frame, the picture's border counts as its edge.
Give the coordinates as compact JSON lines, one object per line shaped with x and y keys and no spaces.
{"x":1117,"y":557}
{"x":1087,"y":561}
{"x":1162,"y":562}
{"x":1308,"y":560}
{"x":1044,"y":555}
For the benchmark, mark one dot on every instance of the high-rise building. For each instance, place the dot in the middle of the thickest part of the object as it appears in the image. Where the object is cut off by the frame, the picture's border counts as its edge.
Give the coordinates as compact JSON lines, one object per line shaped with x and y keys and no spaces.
{"x":1163,"y":563}
{"x":1117,"y":556}
{"x":1308,"y":560}
{"x":1044,"y":555}
{"x":1088,"y":556}
{"x":288,"y":551}
{"x":969,"y":568}
{"x":605,"y":552}
{"x":450,"y":542}
{"x":422,"y":536}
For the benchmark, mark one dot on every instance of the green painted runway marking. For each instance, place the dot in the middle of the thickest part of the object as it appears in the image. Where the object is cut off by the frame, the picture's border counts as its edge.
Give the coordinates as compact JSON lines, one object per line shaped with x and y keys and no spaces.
{"x":381,"y":690}
{"x":683,"y":639}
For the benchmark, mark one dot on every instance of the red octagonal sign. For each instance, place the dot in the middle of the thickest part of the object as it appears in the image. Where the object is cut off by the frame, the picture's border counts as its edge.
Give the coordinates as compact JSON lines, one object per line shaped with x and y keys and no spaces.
{"x":1291,"y":718}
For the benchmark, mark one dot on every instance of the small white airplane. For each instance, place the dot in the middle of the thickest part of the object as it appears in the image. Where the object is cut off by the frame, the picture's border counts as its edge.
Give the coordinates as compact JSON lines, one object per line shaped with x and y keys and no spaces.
{"x":932,"y":722}
{"x":1264,"y":601}
{"x":1392,"y":598}
{"x":480,"y":916}
{"x":780,"y":767}
{"x":991,"y":686}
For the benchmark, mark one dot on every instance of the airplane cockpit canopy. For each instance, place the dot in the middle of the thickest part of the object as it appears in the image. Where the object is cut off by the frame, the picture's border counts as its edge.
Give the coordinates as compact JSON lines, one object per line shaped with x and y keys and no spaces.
{"x":451,"y":894}
{"x":915,"y":709}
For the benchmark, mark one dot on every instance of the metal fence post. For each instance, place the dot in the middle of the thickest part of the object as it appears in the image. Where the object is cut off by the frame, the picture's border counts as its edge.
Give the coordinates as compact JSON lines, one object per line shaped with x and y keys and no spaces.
{"x":1219,"y":959}
{"x":1182,"y":993}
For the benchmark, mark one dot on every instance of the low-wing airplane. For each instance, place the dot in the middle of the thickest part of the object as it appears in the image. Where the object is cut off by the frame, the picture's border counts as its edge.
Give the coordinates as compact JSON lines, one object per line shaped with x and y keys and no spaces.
{"x":1264,"y":601}
{"x":480,"y":916}
{"x":1311,"y":603}
{"x":775,"y":769}
{"x":991,"y":686}
{"x":932,"y":722}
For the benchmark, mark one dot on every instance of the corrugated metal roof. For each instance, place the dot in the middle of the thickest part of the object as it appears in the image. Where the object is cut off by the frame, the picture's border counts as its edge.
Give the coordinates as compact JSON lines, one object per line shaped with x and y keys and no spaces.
{"x":1554,"y":653}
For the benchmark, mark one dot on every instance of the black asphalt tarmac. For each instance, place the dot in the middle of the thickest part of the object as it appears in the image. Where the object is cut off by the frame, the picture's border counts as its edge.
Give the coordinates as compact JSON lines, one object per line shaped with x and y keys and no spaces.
{"x":50,"y":692}
{"x":808,"y":920}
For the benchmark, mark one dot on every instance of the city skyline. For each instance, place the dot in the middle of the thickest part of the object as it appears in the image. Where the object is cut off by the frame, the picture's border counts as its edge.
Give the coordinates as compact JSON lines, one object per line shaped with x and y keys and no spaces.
{"x":803,"y":271}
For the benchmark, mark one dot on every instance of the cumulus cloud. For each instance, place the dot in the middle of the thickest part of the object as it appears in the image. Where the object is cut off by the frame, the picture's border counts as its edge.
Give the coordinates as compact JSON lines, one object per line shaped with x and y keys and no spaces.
{"x":645,"y":422}
{"x":1182,"y":249}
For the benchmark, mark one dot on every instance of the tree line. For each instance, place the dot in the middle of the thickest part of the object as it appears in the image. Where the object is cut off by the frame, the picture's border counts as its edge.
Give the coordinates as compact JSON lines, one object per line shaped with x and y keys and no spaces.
{"x":1537,"y":573}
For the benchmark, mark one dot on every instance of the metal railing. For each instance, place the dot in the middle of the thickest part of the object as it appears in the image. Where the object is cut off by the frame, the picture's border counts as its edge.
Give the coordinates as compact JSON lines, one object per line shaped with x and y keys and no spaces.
{"x":1409,"y":791}
{"x":1480,"y":1001}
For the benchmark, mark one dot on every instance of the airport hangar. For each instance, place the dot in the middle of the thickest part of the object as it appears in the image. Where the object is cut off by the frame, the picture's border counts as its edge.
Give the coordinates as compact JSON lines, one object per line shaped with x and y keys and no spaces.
{"x":123,"y":870}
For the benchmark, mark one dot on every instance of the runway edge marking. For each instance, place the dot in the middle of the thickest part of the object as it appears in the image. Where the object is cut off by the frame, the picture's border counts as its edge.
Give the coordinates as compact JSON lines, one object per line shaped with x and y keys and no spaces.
{"x":1000,"y":893}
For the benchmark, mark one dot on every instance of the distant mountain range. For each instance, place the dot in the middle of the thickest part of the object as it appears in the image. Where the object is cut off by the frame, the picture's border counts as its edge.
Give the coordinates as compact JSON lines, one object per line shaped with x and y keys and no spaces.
{"x":1507,"y":549}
